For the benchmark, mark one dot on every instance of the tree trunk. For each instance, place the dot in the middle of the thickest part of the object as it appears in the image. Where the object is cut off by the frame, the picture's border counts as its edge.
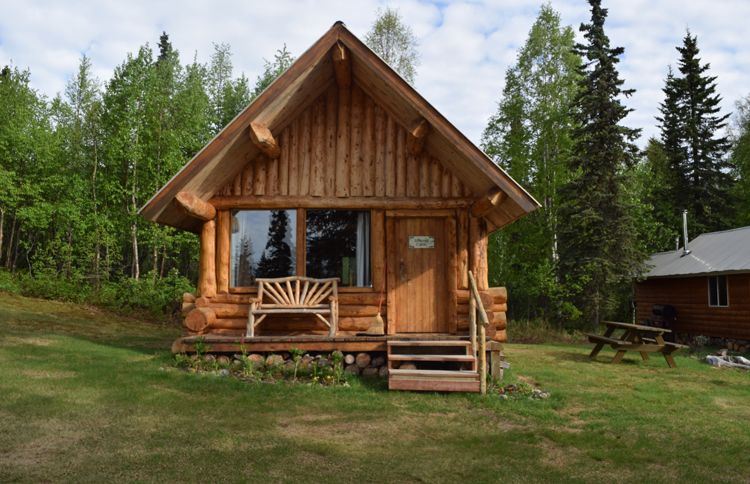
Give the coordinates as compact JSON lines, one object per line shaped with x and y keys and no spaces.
{"x":9,"y":251}
{"x":2,"y":221}
{"x":136,"y":269}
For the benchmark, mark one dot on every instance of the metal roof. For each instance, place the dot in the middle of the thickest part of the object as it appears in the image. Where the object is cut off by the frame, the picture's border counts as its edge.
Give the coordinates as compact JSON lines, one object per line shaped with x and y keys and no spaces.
{"x":715,"y":252}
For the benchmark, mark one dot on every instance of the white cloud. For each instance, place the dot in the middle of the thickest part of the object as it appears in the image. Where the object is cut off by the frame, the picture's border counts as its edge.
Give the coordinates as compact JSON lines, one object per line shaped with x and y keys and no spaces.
{"x":465,"y":46}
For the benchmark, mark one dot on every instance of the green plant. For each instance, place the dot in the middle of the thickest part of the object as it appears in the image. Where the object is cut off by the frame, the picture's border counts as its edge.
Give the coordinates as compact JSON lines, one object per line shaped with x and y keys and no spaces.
{"x":337,"y":360}
{"x":201,"y":347}
{"x":181,"y":360}
{"x":297,"y":355}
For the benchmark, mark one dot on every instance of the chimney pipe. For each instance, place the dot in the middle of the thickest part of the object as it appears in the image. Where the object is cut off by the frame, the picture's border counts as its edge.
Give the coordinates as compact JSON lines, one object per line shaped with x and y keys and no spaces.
{"x":685,"y":250}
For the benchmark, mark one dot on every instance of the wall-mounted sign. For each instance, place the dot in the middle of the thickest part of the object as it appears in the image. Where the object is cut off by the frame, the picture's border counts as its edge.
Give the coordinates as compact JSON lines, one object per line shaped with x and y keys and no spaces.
{"x":421,"y":242}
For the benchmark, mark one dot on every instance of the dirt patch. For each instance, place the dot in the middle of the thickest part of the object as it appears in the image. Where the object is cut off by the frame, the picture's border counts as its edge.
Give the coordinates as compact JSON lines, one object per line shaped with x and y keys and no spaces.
{"x":30,"y":340}
{"x":56,"y":437}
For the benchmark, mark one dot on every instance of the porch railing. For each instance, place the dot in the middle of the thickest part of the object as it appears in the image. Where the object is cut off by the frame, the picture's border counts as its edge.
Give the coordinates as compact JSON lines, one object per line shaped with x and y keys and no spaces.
{"x":476,"y":306}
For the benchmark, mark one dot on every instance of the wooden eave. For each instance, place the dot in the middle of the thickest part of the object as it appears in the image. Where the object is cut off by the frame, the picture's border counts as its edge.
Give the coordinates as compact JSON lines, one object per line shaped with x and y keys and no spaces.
{"x":222,"y":158}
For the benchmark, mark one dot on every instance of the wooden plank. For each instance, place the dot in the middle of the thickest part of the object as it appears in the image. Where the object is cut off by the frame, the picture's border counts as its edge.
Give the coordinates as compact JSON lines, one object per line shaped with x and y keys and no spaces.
{"x":436,"y":178}
{"x":433,"y":385}
{"x":330,"y":159}
{"x":413,"y":175}
{"x":357,"y":111}
{"x":305,"y":152}
{"x":223,"y":228}
{"x":272,"y":176}
{"x":395,"y":203}
{"x":462,"y":248}
{"x":284,"y":163}
{"x":390,"y":156}
{"x":317,"y":182}
{"x":400,"y":162}
{"x":247,"y":178}
{"x":342,"y":143}
{"x":391,"y":278}
{"x":423,"y":161}
{"x":259,"y":186}
{"x":378,"y":237}
{"x":449,"y":275}
{"x":381,"y":171}
{"x":294,"y":135}
{"x":368,"y":148}
{"x":300,"y":242}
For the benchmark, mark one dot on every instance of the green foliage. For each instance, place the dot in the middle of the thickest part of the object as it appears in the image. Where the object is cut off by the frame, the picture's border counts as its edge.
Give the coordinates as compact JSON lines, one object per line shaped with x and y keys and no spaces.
{"x":394,"y":42}
{"x":282,"y":60}
{"x":740,"y":160}
{"x":599,"y":249}
{"x":530,"y":136}
{"x":697,"y":174}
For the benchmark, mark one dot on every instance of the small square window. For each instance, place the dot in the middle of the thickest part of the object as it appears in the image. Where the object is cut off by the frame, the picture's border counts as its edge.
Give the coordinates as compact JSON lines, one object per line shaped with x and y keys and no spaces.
{"x":718,"y":291}
{"x":262,"y":245}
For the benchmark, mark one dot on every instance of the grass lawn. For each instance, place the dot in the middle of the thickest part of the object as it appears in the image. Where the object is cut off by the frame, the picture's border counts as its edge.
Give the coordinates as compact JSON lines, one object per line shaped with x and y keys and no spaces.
{"x":85,"y":396}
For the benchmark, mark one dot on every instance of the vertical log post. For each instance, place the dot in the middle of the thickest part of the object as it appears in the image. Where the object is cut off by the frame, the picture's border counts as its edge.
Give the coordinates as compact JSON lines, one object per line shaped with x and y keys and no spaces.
{"x":207,"y":276}
{"x":223,"y":229}
{"x":473,"y":325}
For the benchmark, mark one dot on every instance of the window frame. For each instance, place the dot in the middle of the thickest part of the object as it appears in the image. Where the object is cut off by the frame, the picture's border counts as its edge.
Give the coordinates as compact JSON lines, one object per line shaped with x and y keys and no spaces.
{"x":301,"y":248}
{"x":717,"y":293}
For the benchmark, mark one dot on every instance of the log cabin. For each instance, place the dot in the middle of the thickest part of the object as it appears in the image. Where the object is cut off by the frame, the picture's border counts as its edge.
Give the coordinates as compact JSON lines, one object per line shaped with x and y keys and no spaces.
{"x":343,"y":180}
{"x":701,"y":289}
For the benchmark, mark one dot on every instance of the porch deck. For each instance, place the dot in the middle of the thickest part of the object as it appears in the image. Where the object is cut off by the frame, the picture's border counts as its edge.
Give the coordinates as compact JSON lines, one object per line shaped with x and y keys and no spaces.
{"x":311,"y":342}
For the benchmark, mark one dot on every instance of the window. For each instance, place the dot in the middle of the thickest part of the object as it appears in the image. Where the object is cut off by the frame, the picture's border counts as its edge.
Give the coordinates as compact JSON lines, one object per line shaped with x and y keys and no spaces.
{"x":338,"y":245}
{"x":718,"y":294}
{"x":262,"y":245}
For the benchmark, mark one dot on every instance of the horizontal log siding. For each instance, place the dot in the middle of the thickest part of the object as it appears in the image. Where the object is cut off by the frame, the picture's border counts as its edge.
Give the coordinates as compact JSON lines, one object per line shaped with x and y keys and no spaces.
{"x":689,"y":296}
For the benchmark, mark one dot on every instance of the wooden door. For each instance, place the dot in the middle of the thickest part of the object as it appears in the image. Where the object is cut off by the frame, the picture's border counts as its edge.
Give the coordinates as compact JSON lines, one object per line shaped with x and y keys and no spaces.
{"x":418,"y":268}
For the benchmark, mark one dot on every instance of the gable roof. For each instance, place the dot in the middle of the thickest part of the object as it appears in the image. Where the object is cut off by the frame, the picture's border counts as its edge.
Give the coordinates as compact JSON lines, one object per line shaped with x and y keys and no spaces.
{"x":711,"y":253}
{"x":224,"y":156}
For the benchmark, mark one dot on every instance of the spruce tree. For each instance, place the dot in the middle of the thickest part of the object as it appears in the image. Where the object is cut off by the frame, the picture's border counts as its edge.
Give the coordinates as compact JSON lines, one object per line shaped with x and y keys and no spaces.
{"x":277,"y":260}
{"x":598,"y":249}
{"x":698,"y":178}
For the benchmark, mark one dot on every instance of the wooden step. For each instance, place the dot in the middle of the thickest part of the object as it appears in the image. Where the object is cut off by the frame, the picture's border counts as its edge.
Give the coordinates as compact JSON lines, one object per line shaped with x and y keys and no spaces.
{"x":422,"y":385}
{"x":405,"y":357}
{"x":429,"y":343}
{"x":458,"y":374}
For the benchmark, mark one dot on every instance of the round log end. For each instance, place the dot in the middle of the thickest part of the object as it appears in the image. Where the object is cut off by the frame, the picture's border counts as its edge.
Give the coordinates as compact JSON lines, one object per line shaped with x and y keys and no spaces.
{"x":200,"y":319}
{"x":188,"y":297}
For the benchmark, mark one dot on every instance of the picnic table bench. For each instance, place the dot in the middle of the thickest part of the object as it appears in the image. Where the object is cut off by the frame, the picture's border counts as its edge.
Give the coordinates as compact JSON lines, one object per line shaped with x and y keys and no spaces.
{"x":634,"y":337}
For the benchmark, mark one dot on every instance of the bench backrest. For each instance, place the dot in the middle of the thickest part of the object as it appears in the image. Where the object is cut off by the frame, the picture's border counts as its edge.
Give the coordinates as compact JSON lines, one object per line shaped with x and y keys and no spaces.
{"x":296,"y":291}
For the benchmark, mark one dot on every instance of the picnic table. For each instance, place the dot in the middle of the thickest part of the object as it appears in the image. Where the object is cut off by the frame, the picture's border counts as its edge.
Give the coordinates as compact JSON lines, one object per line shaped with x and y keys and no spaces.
{"x":634,"y":337}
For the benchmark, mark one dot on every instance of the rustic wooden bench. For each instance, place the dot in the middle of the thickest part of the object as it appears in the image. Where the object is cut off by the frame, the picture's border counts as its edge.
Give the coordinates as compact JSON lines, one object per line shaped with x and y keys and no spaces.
{"x":295,"y":295}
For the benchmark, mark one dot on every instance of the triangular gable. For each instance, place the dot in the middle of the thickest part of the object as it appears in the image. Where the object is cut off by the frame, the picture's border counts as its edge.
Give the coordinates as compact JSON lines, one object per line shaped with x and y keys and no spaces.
{"x":377,"y":161}
{"x":298,"y":91}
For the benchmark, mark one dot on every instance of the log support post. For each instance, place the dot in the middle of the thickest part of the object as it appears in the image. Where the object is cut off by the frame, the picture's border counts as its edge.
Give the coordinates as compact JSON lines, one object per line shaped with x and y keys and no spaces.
{"x":207,"y":275}
{"x":478,"y":251}
{"x":342,"y":65}
{"x":223,"y":229}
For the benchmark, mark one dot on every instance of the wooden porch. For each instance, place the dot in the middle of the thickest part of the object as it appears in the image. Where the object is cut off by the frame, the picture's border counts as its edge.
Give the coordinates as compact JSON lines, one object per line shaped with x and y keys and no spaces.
{"x":312,"y":342}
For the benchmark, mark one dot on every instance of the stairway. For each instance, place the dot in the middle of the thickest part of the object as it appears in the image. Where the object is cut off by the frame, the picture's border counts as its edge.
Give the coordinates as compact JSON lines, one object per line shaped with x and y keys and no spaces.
{"x":436,"y":366}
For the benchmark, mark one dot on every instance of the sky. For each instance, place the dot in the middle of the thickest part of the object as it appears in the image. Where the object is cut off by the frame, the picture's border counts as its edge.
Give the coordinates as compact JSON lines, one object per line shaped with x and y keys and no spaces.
{"x":465,"y":46}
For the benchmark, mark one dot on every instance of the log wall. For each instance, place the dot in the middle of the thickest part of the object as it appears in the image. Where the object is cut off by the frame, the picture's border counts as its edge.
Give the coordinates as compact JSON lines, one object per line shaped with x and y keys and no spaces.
{"x":345,"y":145}
{"x":689,"y":296}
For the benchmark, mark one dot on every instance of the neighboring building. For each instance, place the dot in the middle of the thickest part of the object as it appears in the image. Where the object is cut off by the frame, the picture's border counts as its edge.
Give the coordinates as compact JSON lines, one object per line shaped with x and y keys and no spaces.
{"x":709,"y":286}
{"x":340,"y":169}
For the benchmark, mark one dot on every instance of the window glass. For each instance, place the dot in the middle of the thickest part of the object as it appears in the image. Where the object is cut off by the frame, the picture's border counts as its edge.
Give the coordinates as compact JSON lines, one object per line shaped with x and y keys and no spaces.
{"x":722,"y":283}
{"x":338,"y":245}
{"x":262,"y":245}
{"x":718,"y":292}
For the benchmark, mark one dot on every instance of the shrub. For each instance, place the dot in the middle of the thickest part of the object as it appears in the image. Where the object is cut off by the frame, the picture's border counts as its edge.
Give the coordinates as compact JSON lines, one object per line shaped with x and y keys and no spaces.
{"x":540,"y":331}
